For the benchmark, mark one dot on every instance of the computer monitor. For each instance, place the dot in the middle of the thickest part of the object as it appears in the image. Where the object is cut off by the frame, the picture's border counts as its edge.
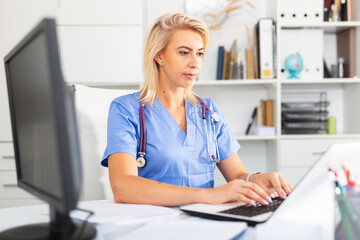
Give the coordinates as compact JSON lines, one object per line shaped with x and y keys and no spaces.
{"x":45,"y":135}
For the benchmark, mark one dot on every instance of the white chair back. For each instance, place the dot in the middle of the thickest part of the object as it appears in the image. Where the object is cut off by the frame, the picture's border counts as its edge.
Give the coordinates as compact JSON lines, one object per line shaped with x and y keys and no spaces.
{"x":92,"y":108}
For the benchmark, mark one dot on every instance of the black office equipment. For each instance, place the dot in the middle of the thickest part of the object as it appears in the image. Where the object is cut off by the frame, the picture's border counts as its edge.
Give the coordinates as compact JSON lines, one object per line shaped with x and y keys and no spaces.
{"x":46,"y":145}
{"x":251,"y":121}
{"x":305,"y":117}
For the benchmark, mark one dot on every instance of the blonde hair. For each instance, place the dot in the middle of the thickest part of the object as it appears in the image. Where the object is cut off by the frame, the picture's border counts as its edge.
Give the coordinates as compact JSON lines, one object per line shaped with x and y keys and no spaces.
{"x":157,"y":41}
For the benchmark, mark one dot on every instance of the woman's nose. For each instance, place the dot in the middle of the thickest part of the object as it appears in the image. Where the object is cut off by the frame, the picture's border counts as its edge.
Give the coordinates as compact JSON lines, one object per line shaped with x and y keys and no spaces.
{"x":195,"y":62}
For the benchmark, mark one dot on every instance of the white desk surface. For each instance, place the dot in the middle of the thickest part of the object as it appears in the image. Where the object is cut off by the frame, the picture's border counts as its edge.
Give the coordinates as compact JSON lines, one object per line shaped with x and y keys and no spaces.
{"x":17,"y":216}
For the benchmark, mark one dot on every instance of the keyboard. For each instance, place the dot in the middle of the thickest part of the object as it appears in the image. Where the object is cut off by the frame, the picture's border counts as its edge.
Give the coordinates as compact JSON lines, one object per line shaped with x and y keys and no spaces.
{"x":250,"y":210}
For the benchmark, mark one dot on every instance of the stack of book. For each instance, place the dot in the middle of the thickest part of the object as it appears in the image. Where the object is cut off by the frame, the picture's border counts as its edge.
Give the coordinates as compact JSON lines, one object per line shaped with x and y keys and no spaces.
{"x":338,"y":10}
{"x":305,"y":117}
{"x":261,"y":121}
{"x":257,"y":61}
{"x":235,"y":64}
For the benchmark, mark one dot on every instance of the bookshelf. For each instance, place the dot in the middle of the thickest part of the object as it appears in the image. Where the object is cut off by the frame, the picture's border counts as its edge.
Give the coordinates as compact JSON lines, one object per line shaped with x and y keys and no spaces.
{"x":278,"y":153}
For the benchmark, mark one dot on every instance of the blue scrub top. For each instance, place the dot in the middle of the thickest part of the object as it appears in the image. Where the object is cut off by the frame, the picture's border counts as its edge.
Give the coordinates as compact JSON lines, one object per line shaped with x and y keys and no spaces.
{"x":172,"y":156}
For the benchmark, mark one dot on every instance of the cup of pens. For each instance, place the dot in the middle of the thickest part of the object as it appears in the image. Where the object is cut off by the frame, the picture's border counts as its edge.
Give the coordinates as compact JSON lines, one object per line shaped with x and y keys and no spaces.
{"x":347,"y":216}
{"x":349,"y":224}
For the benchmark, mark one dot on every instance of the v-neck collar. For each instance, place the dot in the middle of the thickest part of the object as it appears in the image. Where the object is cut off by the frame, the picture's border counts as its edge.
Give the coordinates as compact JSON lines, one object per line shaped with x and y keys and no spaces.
{"x":185,"y":139}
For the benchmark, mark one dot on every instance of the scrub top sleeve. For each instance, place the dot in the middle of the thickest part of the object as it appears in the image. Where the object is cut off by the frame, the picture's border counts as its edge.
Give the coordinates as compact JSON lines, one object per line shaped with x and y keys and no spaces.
{"x":228,"y":145}
{"x":121,"y":131}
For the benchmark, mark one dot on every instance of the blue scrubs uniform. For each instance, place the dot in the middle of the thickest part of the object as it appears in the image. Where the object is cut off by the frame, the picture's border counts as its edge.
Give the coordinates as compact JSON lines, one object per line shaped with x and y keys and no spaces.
{"x":172,"y":156}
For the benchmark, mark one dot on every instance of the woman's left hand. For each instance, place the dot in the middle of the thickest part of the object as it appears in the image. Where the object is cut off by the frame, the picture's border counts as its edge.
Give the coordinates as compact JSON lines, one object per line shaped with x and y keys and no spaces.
{"x":270,"y":181}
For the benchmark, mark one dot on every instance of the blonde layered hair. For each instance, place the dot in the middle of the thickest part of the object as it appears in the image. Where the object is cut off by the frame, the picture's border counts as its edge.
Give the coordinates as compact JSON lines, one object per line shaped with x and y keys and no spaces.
{"x":157,"y":41}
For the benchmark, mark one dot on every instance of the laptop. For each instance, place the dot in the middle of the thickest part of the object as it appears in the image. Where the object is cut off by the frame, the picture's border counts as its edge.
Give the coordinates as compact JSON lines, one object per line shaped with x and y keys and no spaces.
{"x":312,"y":196}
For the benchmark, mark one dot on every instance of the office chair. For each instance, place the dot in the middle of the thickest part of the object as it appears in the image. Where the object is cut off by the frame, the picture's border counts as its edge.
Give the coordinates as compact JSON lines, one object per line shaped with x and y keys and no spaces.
{"x":92,"y":107}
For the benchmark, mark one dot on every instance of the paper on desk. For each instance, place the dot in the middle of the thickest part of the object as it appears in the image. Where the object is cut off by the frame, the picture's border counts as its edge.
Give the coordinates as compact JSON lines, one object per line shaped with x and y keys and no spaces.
{"x":109,"y":212}
{"x":187,"y":228}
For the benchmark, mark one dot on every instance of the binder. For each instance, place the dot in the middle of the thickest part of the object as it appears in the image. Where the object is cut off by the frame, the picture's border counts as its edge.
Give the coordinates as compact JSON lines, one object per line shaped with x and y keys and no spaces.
{"x":311,"y":11}
{"x":220,"y":63}
{"x":266,"y":48}
{"x":300,"y":11}
{"x":310,"y":44}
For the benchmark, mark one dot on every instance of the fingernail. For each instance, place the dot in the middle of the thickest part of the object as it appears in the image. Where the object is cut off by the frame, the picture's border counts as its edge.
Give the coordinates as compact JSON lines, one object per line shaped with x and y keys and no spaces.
{"x":265,"y":202}
{"x":272,"y":195}
{"x":269,"y":198}
{"x":252,"y":202}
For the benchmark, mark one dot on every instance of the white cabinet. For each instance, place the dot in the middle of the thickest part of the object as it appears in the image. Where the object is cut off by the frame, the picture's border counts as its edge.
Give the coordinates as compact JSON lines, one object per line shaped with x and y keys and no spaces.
{"x":16,"y":20}
{"x":10,"y":193}
{"x":99,"y":12}
{"x":298,"y":155}
{"x":93,"y":54}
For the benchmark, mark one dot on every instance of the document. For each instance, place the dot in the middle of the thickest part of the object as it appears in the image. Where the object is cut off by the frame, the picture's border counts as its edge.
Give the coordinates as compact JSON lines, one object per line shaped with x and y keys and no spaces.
{"x":109,"y":212}
{"x":187,"y":228}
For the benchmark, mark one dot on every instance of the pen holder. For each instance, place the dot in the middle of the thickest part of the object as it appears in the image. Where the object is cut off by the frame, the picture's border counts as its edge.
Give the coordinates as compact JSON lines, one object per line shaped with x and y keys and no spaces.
{"x":347,"y":224}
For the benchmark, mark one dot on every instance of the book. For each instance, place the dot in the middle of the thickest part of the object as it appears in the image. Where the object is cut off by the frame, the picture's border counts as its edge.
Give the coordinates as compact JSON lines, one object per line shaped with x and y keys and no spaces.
{"x":233,"y":58}
{"x":226,"y":66}
{"x":346,"y":43}
{"x":250,"y":64}
{"x":344,"y":10}
{"x":269,"y":113}
{"x":262,"y":104}
{"x":265,"y":131}
{"x":220,"y":63}
{"x":259,"y":116}
{"x":256,"y":67}
{"x":251,"y":121}
{"x":349,"y":8}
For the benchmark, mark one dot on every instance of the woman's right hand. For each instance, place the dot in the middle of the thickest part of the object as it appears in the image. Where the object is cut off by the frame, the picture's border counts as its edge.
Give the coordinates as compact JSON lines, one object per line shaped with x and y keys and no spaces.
{"x":237,"y":190}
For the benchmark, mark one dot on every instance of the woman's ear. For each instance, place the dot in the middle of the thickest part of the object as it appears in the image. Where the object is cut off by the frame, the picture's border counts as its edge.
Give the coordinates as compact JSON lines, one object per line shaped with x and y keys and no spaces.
{"x":159,"y":58}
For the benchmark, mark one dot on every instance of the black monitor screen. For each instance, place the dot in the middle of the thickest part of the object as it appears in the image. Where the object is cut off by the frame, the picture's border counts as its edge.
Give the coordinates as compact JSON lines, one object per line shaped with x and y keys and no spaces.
{"x":46,"y":145}
{"x":34,"y":117}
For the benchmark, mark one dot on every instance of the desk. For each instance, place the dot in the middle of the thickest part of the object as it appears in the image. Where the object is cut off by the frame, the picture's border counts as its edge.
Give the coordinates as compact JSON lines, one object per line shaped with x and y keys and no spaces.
{"x":17,"y":216}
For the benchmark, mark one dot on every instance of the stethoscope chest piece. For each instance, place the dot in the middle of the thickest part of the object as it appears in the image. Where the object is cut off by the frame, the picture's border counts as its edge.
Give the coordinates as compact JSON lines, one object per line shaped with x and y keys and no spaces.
{"x":140,"y":162}
{"x":215,"y":116}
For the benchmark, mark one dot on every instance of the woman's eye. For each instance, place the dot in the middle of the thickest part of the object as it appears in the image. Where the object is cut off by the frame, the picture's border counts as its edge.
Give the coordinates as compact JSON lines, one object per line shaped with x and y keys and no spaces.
{"x":200,"y":54}
{"x":183,"y":53}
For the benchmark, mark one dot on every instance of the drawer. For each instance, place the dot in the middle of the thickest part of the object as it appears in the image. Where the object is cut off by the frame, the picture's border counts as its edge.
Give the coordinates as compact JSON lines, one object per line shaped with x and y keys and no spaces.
{"x":7,"y":156}
{"x":9,"y":188}
{"x":293,"y":174}
{"x":304,"y":153}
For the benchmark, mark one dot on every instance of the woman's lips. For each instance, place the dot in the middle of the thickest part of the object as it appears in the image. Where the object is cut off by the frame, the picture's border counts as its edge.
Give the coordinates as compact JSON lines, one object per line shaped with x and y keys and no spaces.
{"x":190,"y":76}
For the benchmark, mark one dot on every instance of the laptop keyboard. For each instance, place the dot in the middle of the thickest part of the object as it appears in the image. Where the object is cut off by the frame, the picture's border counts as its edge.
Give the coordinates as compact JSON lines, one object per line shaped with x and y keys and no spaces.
{"x":250,"y":211}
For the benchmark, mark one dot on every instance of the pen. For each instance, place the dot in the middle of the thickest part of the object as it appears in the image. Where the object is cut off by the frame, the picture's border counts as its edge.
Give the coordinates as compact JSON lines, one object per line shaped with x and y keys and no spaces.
{"x":347,"y":174}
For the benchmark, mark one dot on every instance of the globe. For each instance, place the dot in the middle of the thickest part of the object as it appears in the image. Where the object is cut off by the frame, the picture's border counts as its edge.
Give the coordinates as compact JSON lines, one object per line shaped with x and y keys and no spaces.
{"x":294,"y":64}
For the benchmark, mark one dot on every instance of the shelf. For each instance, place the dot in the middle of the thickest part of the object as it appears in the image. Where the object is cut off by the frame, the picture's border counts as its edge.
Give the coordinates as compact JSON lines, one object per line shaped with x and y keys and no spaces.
{"x":254,"y":137}
{"x":320,"y":81}
{"x":107,"y":84}
{"x":236,"y":82}
{"x":321,"y":136}
{"x":329,"y":27}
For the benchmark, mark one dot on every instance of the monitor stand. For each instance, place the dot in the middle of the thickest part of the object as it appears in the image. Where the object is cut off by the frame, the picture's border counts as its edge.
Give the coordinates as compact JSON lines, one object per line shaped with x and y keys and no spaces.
{"x":61,"y":227}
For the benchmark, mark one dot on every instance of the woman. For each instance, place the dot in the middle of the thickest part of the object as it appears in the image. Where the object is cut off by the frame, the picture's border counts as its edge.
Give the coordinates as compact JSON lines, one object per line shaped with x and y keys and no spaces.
{"x":181,"y":151}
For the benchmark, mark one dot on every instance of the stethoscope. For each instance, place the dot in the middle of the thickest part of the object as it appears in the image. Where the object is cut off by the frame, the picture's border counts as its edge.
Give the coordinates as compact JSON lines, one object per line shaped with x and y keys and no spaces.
{"x":214,"y":117}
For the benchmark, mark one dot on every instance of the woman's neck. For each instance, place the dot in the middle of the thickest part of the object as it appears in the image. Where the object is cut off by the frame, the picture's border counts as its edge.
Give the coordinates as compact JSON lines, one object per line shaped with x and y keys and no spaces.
{"x":169,"y":96}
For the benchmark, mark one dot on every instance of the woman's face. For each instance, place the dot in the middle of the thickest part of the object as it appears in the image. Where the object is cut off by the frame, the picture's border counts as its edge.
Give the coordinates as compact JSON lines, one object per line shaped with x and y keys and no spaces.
{"x":181,"y":61}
